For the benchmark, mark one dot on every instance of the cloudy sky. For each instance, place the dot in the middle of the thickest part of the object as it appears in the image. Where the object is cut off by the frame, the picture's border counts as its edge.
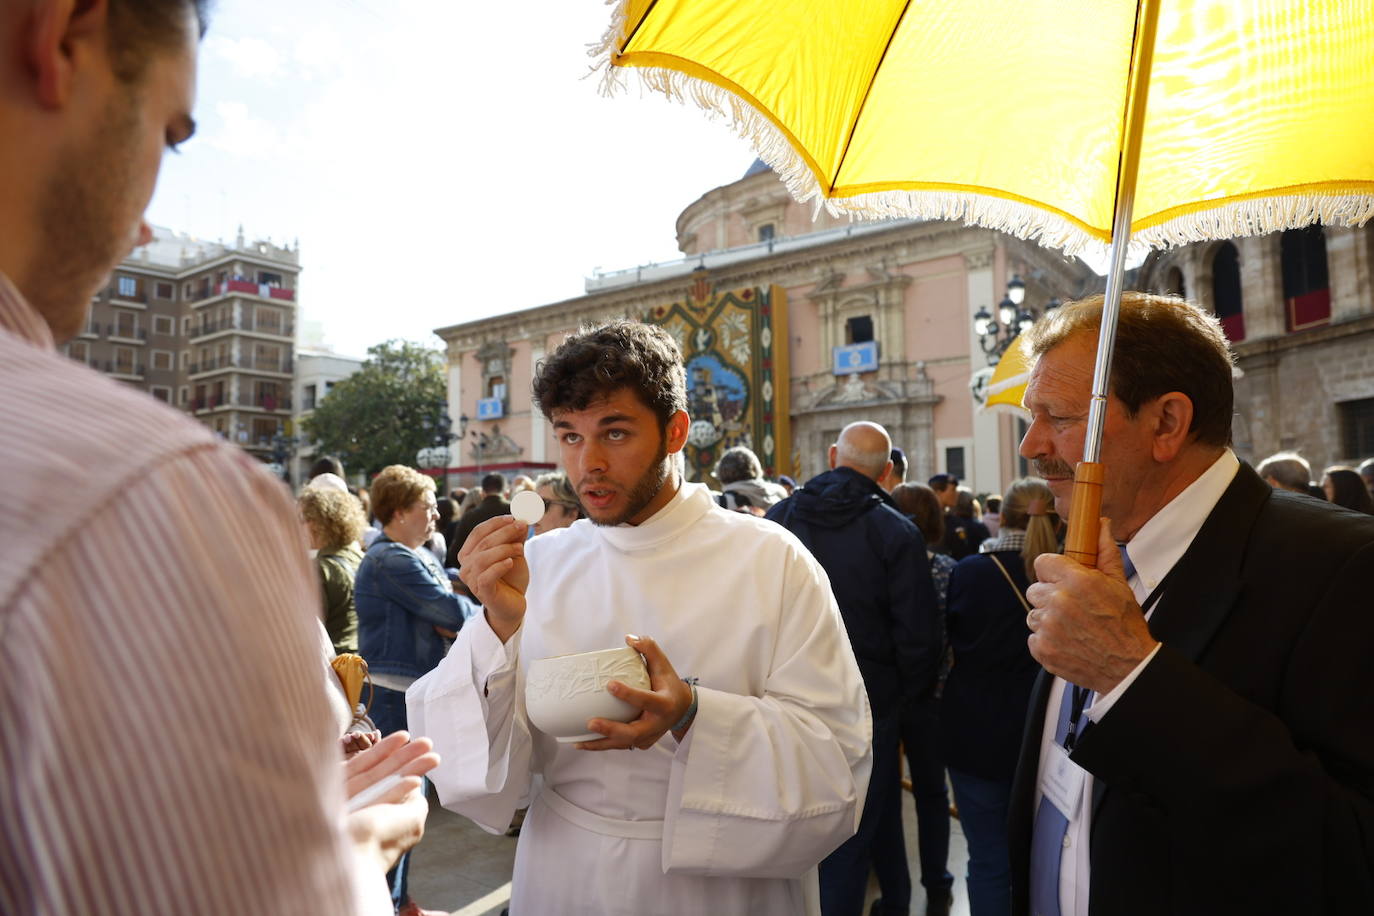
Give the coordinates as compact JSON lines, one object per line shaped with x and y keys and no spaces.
{"x":438,"y":161}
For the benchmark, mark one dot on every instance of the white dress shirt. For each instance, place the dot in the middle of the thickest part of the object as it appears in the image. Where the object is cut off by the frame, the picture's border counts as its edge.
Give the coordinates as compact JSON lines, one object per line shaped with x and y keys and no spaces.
{"x":1153,"y":550}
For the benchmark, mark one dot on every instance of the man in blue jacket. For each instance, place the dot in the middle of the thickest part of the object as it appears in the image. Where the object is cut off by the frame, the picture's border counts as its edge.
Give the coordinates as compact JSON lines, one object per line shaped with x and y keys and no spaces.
{"x":876,"y":560}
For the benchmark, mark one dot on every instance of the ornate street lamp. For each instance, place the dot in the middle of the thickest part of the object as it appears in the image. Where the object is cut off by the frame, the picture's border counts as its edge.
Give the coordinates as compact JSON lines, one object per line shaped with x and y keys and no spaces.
{"x":1013,"y":317}
{"x":438,"y":456}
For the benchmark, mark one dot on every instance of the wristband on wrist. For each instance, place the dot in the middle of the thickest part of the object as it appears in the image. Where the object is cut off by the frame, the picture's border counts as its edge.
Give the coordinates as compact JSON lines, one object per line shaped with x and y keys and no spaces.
{"x":691,"y":712}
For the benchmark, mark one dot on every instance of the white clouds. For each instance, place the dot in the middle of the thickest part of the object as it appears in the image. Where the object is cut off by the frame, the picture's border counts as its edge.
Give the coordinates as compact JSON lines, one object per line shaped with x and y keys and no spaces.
{"x":251,"y":57}
{"x":240,"y":132}
{"x":440,"y":163}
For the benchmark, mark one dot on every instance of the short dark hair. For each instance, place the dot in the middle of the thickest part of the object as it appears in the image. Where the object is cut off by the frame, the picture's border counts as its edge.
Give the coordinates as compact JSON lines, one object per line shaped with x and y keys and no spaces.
{"x":326,"y":465}
{"x":1163,"y":344}
{"x":138,"y":27}
{"x":898,"y":463}
{"x":738,"y":463}
{"x":596,"y":362}
{"x":942,"y":482}
{"x":493,"y":483}
{"x":918,"y":503}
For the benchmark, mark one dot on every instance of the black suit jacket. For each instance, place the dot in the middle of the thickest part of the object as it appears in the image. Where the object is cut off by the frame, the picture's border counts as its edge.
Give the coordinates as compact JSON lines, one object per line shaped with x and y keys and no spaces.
{"x":1236,"y":775}
{"x":491,"y":506}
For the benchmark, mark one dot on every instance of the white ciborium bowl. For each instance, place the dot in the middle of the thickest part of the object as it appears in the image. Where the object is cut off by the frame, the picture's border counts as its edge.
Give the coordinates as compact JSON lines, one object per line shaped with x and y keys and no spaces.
{"x":563,"y":692}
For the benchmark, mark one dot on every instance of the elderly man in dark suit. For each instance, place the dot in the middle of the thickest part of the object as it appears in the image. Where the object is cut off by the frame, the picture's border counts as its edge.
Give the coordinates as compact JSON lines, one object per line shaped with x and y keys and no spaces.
{"x":1203,"y":741}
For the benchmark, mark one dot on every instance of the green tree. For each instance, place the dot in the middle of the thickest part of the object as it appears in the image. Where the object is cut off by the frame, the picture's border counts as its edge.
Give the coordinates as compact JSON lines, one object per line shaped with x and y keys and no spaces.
{"x":385,"y":412}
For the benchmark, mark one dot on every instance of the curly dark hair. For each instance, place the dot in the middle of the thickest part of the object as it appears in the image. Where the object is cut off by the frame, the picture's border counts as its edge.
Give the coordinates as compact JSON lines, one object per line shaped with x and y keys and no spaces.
{"x":596,"y":362}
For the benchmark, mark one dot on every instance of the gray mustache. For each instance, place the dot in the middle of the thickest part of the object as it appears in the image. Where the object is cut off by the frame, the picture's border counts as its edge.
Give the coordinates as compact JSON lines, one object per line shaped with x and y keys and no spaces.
{"x":1052,"y":468}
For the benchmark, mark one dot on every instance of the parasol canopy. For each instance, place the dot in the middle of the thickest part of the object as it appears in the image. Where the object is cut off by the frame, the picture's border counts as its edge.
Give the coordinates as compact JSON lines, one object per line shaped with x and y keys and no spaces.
{"x":1080,"y":124}
{"x":1006,"y":387}
{"x":1013,"y":114}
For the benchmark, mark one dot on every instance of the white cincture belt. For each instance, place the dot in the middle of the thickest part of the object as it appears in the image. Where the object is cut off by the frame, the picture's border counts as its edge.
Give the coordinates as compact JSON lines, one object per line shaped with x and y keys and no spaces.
{"x":605,"y":826}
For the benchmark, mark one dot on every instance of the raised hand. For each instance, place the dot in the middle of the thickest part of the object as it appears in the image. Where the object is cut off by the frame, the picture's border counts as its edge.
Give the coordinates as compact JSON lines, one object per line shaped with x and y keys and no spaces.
{"x":1086,"y":626}
{"x":493,"y":568}
{"x":662,"y":705}
{"x":395,"y":753}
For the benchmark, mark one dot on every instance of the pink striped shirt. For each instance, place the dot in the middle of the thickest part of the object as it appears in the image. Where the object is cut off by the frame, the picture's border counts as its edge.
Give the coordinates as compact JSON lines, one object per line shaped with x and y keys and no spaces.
{"x":166,"y":745}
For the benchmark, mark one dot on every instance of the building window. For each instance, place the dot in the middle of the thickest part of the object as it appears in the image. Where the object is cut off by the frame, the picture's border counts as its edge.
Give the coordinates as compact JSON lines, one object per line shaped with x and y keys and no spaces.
{"x":123,"y":360}
{"x":267,"y":319}
{"x":858,"y":329}
{"x":162,"y":360}
{"x":166,"y":291}
{"x":1357,"y":428}
{"x":162,"y":393}
{"x":1306,"y":288}
{"x":954,"y":462}
{"x":128,"y":287}
{"x":268,"y":357}
{"x":308,"y":400}
{"x":1174,"y":285}
{"x":164,"y":325}
{"x":126,"y":325}
{"x":267,"y":278}
{"x":78,"y":351}
{"x":263,"y":431}
{"x":766,"y":232}
{"x":1226,"y":291}
{"x":496,"y":387}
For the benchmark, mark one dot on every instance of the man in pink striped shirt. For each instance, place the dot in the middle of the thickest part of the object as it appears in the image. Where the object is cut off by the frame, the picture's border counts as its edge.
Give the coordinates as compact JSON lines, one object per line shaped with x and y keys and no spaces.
{"x":166,"y":745}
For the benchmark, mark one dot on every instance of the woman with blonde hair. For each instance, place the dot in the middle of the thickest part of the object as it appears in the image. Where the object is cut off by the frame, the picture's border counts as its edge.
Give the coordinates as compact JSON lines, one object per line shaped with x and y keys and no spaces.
{"x":983,"y":709}
{"x":561,"y":507}
{"x":334,"y":520}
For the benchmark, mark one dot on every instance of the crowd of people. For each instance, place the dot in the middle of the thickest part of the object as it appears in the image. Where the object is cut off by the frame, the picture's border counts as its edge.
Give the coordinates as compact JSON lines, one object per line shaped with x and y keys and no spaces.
{"x":201,"y":717}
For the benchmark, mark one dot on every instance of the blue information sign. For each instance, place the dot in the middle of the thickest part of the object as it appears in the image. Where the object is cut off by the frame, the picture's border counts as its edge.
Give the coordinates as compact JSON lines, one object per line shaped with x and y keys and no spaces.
{"x":859,"y":357}
{"x":490,"y":409}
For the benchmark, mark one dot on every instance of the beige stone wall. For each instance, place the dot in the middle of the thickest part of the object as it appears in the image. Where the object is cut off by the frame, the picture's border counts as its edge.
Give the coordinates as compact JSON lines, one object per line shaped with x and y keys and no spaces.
{"x":1294,"y":382}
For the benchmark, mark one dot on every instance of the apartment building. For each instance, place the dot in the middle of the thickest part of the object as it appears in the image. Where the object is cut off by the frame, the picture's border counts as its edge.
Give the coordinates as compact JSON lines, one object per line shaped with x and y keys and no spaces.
{"x":317,"y":371}
{"x":207,"y":327}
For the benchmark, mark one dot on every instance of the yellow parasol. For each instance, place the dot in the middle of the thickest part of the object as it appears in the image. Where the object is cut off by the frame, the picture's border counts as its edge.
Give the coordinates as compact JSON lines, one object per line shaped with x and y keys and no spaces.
{"x":1077,"y":123}
{"x":1007,"y":385}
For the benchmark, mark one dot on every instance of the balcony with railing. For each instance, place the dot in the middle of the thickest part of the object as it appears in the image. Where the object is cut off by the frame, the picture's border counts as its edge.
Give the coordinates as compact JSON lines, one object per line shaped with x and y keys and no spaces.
{"x":206,"y":328}
{"x":239,"y":285}
{"x":138,"y":296}
{"x":252,"y":364}
{"x":123,"y":370}
{"x":131,"y":334}
{"x":265,"y":402}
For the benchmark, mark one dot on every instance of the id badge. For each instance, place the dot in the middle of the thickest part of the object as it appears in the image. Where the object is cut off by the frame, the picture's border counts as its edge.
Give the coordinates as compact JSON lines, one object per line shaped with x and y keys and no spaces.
{"x":1061,"y":781}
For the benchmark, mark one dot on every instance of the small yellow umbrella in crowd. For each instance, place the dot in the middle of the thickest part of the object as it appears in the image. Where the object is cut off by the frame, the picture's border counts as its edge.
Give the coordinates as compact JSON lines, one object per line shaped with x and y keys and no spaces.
{"x":1006,"y":387}
{"x":1076,"y":123}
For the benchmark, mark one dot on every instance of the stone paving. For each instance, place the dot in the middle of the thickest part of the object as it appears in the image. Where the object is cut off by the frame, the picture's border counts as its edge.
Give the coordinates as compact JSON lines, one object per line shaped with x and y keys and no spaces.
{"x":465,"y":870}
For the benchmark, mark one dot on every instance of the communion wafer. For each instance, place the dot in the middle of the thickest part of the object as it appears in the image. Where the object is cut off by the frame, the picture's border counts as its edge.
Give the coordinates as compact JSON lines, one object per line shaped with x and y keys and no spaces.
{"x":527,"y":506}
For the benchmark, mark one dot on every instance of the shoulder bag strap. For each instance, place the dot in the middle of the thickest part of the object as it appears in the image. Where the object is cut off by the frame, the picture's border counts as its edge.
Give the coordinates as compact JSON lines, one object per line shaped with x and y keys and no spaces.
{"x":1006,"y":575}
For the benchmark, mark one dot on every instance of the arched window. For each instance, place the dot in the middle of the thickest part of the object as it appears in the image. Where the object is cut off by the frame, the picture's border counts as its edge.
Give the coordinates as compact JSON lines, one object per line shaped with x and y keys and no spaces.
{"x":1306,"y":289}
{"x":1174,"y":285}
{"x":1226,"y":290}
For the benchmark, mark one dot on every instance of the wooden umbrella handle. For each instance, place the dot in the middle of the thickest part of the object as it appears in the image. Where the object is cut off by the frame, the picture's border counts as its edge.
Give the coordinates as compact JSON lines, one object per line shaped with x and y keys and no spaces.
{"x":1086,"y":509}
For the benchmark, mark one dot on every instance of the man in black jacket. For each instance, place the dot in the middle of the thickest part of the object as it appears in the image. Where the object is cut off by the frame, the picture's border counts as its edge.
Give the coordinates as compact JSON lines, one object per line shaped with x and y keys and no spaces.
{"x":493,"y":503}
{"x":1214,"y":753}
{"x":876,"y":560}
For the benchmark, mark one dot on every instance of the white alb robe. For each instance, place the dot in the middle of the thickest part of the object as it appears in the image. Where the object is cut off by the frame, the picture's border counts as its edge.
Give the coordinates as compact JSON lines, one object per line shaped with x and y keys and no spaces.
{"x":770,"y":777}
